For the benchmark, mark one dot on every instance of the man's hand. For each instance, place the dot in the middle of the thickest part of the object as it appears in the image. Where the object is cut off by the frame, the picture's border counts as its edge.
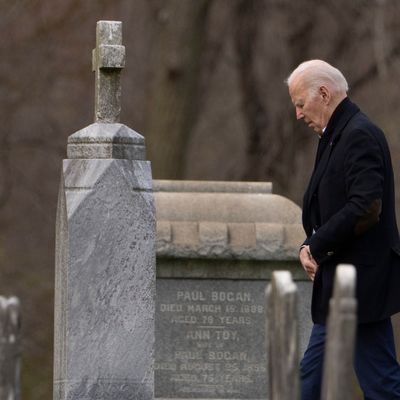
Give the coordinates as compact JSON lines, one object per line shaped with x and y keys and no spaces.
{"x":308,"y":262}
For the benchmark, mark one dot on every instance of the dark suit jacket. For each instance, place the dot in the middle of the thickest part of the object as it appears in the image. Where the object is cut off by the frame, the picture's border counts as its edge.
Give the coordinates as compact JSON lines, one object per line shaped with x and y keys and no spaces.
{"x":349,"y":215}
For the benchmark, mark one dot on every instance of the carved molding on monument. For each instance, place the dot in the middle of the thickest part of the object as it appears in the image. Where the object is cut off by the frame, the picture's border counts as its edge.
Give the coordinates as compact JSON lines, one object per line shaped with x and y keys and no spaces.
{"x":111,"y":140}
{"x":225,"y":220}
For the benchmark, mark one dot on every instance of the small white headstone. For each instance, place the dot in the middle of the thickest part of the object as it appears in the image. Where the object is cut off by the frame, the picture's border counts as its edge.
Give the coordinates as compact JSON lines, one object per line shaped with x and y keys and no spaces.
{"x":340,"y":342}
{"x":10,"y":348}
{"x":282,"y":337}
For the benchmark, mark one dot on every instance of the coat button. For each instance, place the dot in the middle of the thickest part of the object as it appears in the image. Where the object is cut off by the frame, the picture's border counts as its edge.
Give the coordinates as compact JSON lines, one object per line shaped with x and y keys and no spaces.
{"x":329,"y":253}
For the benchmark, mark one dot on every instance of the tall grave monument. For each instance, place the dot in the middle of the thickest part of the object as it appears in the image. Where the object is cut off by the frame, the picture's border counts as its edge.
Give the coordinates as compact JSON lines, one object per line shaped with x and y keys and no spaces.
{"x":105,"y":249}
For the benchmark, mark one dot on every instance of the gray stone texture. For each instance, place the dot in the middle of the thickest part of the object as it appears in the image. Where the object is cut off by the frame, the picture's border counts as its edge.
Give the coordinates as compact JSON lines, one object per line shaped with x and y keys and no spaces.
{"x":105,"y":258}
{"x":340,"y":343}
{"x":106,"y":141}
{"x":187,"y":186}
{"x":108,"y":59}
{"x":282,"y":337}
{"x":10,"y":348}
{"x":221,"y":237}
{"x":210,"y":338}
{"x":105,"y":277}
{"x":226,"y":220}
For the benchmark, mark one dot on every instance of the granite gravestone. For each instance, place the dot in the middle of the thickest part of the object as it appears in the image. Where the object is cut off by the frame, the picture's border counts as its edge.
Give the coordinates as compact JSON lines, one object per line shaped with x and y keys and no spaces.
{"x":217,"y":246}
{"x":10,"y":348}
{"x":105,"y":250}
{"x":341,"y":335}
{"x":282,"y":337}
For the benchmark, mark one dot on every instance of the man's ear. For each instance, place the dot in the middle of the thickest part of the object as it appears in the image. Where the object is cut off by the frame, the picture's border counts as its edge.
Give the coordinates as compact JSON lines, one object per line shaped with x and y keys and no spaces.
{"x":325,"y":94}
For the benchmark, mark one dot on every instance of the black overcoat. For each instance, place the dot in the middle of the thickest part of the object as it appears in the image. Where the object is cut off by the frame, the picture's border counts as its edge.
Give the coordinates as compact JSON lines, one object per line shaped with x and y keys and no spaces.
{"x":349,"y":215}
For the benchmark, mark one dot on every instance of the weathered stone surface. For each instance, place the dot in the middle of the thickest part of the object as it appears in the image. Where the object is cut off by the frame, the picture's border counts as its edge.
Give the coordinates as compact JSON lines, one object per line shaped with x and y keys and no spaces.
{"x":225,"y":220}
{"x":342,"y":321}
{"x":220,"y":237}
{"x":108,"y":60}
{"x":10,"y":348}
{"x":105,"y":277}
{"x":211,"y":186}
{"x":282,"y":337}
{"x":105,"y":252}
{"x":106,"y":141}
{"x":225,"y":206}
{"x":210,"y":337}
{"x":206,"y":268}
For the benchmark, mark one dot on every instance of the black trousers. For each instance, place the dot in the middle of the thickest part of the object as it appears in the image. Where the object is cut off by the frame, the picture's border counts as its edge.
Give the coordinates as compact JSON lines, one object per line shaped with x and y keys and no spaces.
{"x":375,"y":363}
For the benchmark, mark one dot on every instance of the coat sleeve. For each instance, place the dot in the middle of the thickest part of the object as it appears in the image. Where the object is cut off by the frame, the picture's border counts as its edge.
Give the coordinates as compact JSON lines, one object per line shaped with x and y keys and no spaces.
{"x":364,"y":176}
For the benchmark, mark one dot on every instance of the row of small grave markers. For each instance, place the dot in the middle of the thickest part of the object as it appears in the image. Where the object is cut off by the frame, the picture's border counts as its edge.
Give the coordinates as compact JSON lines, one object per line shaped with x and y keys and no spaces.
{"x":282,"y":337}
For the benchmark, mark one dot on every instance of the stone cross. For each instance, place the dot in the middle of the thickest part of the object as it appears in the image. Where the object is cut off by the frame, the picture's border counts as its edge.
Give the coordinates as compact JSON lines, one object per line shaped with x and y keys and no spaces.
{"x":282,"y":337}
{"x":108,"y":59}
{"x":9,"y":349}
{"x":339,"y":350}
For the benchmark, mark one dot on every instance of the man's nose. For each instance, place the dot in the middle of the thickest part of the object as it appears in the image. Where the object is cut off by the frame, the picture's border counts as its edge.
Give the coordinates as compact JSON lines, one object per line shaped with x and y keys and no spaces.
{"x":299,"y":114}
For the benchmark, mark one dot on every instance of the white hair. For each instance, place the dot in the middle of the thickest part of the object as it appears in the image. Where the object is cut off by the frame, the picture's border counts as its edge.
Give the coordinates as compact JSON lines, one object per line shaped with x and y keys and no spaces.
{"x":315,"y":73}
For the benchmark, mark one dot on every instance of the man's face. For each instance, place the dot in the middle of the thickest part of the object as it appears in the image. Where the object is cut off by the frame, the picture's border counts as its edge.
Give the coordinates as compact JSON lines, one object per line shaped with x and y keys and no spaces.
{"x":310,"y":106}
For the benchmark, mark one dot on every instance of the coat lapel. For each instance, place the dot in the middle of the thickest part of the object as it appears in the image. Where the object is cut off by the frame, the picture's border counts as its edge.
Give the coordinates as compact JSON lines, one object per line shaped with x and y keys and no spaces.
{"x":343,"y":118}
{"x":319,"y":171}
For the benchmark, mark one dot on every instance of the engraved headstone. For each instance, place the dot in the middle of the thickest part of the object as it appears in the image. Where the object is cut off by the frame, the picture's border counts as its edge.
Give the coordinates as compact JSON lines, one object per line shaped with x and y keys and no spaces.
{"x":10,"y":348}
{"x":218,"y":244}
{"x":209,"y":342}
{"x":341,"y":330}
{"x":282,"y":337}
{"x":105,"y":250}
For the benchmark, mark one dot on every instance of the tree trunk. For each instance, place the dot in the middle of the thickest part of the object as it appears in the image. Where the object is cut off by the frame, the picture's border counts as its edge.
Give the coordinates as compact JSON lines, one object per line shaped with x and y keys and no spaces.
{"x":172,"y":104}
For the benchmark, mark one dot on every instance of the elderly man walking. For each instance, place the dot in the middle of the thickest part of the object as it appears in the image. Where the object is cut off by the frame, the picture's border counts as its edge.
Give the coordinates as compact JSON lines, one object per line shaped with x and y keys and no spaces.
{"x":349,"y":217}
